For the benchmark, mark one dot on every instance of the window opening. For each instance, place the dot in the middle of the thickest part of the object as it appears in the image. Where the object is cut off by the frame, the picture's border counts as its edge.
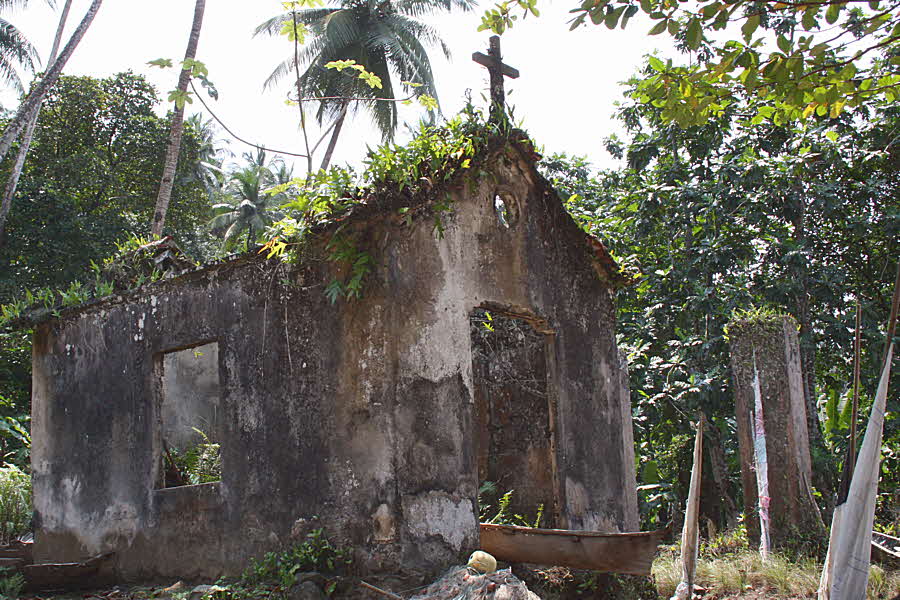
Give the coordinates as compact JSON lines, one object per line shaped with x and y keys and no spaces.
{"x":505,"y":208}
{"x":514,"y":434}
{"x":190,"y":416}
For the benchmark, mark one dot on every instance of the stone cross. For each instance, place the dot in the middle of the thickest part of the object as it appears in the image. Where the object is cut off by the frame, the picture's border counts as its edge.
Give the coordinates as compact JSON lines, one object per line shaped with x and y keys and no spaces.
{"x":494,"y":63}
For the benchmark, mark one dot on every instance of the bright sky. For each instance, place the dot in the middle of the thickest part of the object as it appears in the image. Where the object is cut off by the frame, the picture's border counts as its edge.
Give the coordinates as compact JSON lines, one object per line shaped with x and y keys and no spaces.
{"x":565,"y":95}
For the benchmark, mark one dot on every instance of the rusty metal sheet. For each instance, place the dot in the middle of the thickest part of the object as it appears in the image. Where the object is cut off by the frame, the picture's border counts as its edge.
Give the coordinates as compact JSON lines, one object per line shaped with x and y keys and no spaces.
{"x":630,"y":553}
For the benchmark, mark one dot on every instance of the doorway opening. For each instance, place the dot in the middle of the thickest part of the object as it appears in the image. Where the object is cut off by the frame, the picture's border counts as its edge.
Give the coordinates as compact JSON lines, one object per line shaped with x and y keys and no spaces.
{"x":515,"y":413}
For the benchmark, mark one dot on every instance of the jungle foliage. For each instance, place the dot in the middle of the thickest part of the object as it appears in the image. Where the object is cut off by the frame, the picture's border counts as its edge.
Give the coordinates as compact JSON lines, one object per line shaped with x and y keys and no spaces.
{"x":718,"y":217}
{"x":88,"y":187}
{"x":90,"y":180}
{"x":727,"y":216}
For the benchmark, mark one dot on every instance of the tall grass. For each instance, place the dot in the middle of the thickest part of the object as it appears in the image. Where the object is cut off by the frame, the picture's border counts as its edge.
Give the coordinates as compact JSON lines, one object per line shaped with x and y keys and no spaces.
{"x":737,"y":570}
{"x":15,"y":503}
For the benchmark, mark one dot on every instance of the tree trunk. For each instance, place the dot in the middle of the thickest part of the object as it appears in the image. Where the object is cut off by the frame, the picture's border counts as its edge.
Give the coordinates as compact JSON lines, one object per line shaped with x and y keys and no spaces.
{"x":31,"y":103}
{"x":177,"y":129}
{"x":334,"y":137}
{"x":822,"y":478}
{"x":25,"y":145}
{"x":716,"y":502}
{"x":765,"y":362}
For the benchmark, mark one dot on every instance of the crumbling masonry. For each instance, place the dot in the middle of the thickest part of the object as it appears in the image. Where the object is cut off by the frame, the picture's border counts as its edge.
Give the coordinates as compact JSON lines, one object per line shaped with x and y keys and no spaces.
{"x":362,"y":417}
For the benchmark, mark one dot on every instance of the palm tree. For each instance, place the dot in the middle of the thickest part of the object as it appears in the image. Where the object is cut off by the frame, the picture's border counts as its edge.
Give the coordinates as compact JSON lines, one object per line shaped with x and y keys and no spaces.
{"x":246,"y":207}
{"x":25,"y":142}
{"x":385,"y":36}
{"x":207,"y":170}
{"x":15,"y":49}
{"x":32,"y":102}
{"x":175,"y":133}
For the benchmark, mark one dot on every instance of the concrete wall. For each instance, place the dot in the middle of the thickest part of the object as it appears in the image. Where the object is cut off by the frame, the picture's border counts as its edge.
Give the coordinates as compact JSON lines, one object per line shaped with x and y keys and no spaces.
{"x":358,"y":417}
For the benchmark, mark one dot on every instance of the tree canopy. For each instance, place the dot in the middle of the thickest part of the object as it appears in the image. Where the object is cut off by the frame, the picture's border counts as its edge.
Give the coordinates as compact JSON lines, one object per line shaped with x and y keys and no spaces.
{"x":91,"y":178}
{"x":728,"y":216}
{"x":798,"y":59}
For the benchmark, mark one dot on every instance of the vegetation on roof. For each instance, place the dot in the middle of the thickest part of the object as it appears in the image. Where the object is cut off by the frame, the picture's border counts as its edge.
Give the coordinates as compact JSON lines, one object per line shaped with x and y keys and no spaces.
{"x":396,"y":178}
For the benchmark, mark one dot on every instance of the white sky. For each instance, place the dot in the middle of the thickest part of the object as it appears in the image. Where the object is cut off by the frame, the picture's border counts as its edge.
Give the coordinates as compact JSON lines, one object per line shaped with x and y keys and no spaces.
{"x":568,"y":84}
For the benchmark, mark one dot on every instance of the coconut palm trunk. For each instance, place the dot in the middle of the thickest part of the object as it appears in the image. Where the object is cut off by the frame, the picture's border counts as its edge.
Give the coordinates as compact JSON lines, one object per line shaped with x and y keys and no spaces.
{"x":177,"y":130}
{"x":338,"y":124}
{"x":31,"y":103}
{"x":25,"y":144}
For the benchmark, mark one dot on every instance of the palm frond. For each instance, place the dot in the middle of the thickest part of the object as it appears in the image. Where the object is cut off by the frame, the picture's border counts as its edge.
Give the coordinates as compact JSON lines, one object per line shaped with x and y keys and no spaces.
{"x":307,"y":16}
{"x":15,"y":47}
{"x":419,"y":8}
{"x":9,"y":76}
{"x":423,"y":32}
{"x":222,"y":221}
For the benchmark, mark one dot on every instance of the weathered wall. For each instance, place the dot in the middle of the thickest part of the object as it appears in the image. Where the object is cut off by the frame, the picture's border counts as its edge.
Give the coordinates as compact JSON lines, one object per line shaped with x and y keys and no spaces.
{"x":770,"y":351}
{"x":360,"y":413}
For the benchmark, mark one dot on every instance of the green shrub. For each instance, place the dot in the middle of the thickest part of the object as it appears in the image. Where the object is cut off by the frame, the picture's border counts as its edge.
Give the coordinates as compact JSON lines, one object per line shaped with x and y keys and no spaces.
{"x":315,"y":554}
{"x":15,"y":503}
{"x":11,"y":584}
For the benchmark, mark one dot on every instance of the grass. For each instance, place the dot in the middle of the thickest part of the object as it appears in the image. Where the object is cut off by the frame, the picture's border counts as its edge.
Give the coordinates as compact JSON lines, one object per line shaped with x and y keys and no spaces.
{"x":732,"y":570}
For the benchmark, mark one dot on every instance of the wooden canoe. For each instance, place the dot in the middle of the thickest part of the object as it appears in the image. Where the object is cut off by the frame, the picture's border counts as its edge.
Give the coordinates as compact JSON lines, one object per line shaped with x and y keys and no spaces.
{"x":630,"y":553}
{"x":885,"y":547}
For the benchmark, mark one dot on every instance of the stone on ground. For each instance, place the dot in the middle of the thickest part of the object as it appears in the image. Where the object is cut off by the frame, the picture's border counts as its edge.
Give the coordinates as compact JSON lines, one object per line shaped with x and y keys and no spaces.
{"x":468,"y":584}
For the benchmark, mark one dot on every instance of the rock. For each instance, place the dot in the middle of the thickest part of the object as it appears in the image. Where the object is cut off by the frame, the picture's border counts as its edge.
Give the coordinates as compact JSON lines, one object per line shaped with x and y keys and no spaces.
{"x":175,"y":587}
{"x":198,"y":592}
{"x":316,"y":578}
{"x":306,"y":591}
{"x":468,"y":583}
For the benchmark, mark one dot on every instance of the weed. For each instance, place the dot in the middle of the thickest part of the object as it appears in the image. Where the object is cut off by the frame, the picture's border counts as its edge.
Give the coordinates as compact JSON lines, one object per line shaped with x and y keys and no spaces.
{"x":504,"y":515}
{"x":200,"y":463}
{"x":11,"y":585}
{"x":315,"y":554}
{"x":15,"y":503}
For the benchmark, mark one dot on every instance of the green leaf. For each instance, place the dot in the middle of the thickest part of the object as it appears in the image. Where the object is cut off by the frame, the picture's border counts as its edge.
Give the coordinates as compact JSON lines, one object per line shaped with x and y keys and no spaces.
{"x":659,"y":27}
{"x":833,"y":12}
{"x":656,"y":64}
{"x":295,"y":31}
{"x":694,"y":34}
{"x":750,"y":26}
{"x":427,"y":102}
{"x":650,"y":472}
{"x":162,"y":63}
{"x":196,"y":67}
{"x":629,"y":12}
{"x":809,"y":17}
{"x":340,"y":65}
{"x":180,"y":98}
{"x":612,"y":18}
{"x":710,"y":10}
{"x":783,"y":44}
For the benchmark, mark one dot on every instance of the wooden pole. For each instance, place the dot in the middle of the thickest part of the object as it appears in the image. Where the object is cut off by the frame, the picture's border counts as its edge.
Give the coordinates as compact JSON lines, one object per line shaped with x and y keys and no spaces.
{"x":380,"y":591}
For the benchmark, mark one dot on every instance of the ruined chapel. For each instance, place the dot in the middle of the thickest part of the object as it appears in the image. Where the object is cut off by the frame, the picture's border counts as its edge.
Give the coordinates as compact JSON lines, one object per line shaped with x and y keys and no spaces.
{"x":482,"y":348}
